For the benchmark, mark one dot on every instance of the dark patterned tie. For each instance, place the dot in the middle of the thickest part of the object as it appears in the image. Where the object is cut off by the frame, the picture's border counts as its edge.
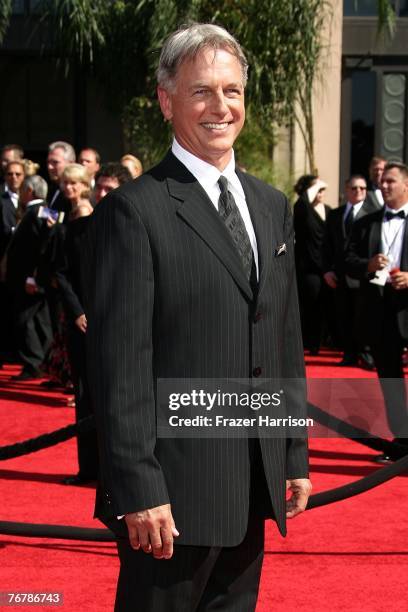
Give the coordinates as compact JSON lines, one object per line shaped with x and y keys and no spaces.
{"x":231,"y":216}
{"x":348,"y":222}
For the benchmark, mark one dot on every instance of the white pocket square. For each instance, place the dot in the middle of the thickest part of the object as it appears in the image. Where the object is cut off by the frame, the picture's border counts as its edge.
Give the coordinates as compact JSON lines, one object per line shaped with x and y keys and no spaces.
{"x":281,"y":250}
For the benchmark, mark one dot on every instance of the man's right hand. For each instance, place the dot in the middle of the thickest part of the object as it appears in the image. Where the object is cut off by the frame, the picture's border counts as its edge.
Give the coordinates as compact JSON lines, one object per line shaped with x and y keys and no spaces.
{"x":331,"y":279}
{"x":31,"y":287}
{"x":153,"y":530}
{"x":81,"y":323}
{"x":378,"y":262}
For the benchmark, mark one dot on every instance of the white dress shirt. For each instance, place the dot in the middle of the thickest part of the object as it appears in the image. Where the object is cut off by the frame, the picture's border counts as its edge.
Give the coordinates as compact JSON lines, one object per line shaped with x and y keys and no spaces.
{"x":392,"y":237}
{"x":355,"y":209}
{"x":208,"y":175}
{"x":33,"y":202}
{"x":12,"y":195}
{"x":379,"y":196}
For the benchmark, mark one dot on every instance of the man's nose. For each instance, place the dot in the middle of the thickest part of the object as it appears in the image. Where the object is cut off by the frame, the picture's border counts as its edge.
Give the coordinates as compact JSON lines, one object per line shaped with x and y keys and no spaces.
{"x":220,"y":105}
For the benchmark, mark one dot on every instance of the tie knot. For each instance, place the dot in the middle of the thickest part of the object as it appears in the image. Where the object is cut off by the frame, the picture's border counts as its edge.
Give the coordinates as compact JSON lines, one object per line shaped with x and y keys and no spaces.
{"x":391,"y":215}
{"x":223,"y":185}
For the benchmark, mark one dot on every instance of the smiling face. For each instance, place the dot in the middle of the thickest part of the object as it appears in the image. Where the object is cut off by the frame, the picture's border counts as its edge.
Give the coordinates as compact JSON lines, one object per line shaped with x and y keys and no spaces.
{"x":207,"y":106}
{"x":356,"y":190}
{"x":73,"y":189}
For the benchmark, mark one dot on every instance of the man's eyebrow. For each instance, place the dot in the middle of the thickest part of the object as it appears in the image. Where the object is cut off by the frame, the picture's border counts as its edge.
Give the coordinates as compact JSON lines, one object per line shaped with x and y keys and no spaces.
{"x":201,"y":84}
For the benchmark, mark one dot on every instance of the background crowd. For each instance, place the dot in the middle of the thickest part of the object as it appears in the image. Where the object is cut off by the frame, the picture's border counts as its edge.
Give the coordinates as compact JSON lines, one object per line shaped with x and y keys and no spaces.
{"x":42,"y":224}
{"x":330,"y":300}
{"x":42,"y":319}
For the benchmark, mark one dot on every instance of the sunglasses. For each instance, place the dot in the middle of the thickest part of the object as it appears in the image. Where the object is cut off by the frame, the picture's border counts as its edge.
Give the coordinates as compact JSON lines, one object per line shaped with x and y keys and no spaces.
{"x":357,"y":187}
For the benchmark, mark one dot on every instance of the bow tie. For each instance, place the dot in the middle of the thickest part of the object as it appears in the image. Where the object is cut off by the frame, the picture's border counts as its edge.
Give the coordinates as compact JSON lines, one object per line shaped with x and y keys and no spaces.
{"x":390,"y":215}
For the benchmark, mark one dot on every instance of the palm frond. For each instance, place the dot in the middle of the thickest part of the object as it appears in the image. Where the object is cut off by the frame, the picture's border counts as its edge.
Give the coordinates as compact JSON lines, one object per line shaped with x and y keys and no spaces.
{"x":5,"y":13}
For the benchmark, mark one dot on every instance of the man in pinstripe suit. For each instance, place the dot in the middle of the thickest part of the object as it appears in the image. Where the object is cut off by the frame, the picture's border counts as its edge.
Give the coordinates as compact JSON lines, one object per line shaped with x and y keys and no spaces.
{"x":170,"y":295}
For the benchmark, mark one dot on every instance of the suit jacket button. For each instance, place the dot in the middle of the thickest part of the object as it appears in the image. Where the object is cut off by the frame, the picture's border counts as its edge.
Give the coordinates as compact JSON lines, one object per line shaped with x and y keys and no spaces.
{"x":257,"y":372}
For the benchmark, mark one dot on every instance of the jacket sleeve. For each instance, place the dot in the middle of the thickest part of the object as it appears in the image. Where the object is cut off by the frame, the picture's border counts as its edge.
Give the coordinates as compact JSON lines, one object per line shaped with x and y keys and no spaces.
{"x":118,"y":290}
{"x":63,"y":275}
{"x":297,"y":461}
{"x":356,"y":259}
{"x":328,"y":246}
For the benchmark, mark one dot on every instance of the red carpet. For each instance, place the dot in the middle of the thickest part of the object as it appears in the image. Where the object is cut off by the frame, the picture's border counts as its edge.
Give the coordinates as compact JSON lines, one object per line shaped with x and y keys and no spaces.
{"x":352,"y":555}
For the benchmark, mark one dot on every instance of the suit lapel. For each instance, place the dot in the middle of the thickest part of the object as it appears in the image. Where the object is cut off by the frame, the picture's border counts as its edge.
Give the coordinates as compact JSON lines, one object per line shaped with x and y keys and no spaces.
{"x":404,"y":253}
{"x":198,"y":212}
{"x":375,"y":236}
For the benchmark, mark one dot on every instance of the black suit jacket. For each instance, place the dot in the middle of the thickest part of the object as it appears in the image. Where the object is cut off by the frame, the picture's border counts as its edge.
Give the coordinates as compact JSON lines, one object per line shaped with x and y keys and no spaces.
{"x":59,"y":202}
{"x":365,"y":242}
{"x":68,"y":263}
{"x":309,"y":230}
{"x":8,"y":221}
{"x":335,"y":239}
{"x":166,"y":297}
{"x":24,"y":250}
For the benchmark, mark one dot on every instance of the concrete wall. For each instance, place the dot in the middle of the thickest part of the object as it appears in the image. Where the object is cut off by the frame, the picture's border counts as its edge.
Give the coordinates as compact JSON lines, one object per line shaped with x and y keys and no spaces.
{"x":291,"y":151}
{"x":327,"y":106}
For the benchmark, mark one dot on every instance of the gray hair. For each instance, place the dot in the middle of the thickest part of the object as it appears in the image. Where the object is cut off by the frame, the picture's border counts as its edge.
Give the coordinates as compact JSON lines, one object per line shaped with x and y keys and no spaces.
{"x":187,"y":42}
{"x":37,"y":185}
{"x":69,"y":151}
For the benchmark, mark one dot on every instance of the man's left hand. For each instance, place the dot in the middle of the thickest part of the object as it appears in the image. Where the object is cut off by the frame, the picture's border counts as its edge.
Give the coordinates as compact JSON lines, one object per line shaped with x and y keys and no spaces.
{"x":399,"y":280}
{"x":301,"y":489}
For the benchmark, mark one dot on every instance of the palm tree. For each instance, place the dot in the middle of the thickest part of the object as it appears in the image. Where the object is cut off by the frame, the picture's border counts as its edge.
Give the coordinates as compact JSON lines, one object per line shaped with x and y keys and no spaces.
{"x":282,"y":40}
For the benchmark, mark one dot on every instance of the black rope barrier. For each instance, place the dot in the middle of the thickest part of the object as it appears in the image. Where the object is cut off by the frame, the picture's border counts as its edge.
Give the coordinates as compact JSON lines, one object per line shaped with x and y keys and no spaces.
{"x":66,"y":532}
{"x":62,"y":532}
{"x":379,"y":476}
{"x":46,"y":440}
{"x":317,"y":500}
{"x":355,"y":433}
{"x":87,"y":424}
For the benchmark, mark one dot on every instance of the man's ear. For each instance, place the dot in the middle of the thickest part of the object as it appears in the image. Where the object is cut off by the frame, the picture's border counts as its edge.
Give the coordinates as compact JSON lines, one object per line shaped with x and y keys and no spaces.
{"x":165,"y":103}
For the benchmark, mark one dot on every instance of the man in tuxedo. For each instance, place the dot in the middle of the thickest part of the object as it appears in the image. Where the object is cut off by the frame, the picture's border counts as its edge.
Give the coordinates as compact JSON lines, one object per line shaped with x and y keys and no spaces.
{"x":378,"y":256}
{"x":375,"y":172}
{"x":108,"y":178}
{"x":91,"y":159}
{"x":30,"y":308}
{"x":337,"y":233}
{"x":60,"y":154}
{"x":9,"y":199}
{"x":14,"y":177}
{"x":9,"y":153}
{"x":191,"y":275}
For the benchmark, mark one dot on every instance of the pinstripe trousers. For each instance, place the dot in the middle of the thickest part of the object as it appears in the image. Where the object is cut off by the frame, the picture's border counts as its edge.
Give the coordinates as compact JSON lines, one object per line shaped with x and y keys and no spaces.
{"x":200,"y":578}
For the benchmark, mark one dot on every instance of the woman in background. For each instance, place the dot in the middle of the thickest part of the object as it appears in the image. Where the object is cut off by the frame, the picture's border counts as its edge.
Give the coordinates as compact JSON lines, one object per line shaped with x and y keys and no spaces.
{"x":133,"y":164}
{"x":75,"y":183}
{"x":310,"y":213}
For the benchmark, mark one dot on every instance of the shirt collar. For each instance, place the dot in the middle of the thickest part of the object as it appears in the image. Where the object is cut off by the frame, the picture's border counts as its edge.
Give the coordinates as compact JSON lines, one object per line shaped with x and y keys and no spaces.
{"x":392,"y":210}
{"x":11,"y":193}
{"x":356,"y":206}
{"x":207,"y":174}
